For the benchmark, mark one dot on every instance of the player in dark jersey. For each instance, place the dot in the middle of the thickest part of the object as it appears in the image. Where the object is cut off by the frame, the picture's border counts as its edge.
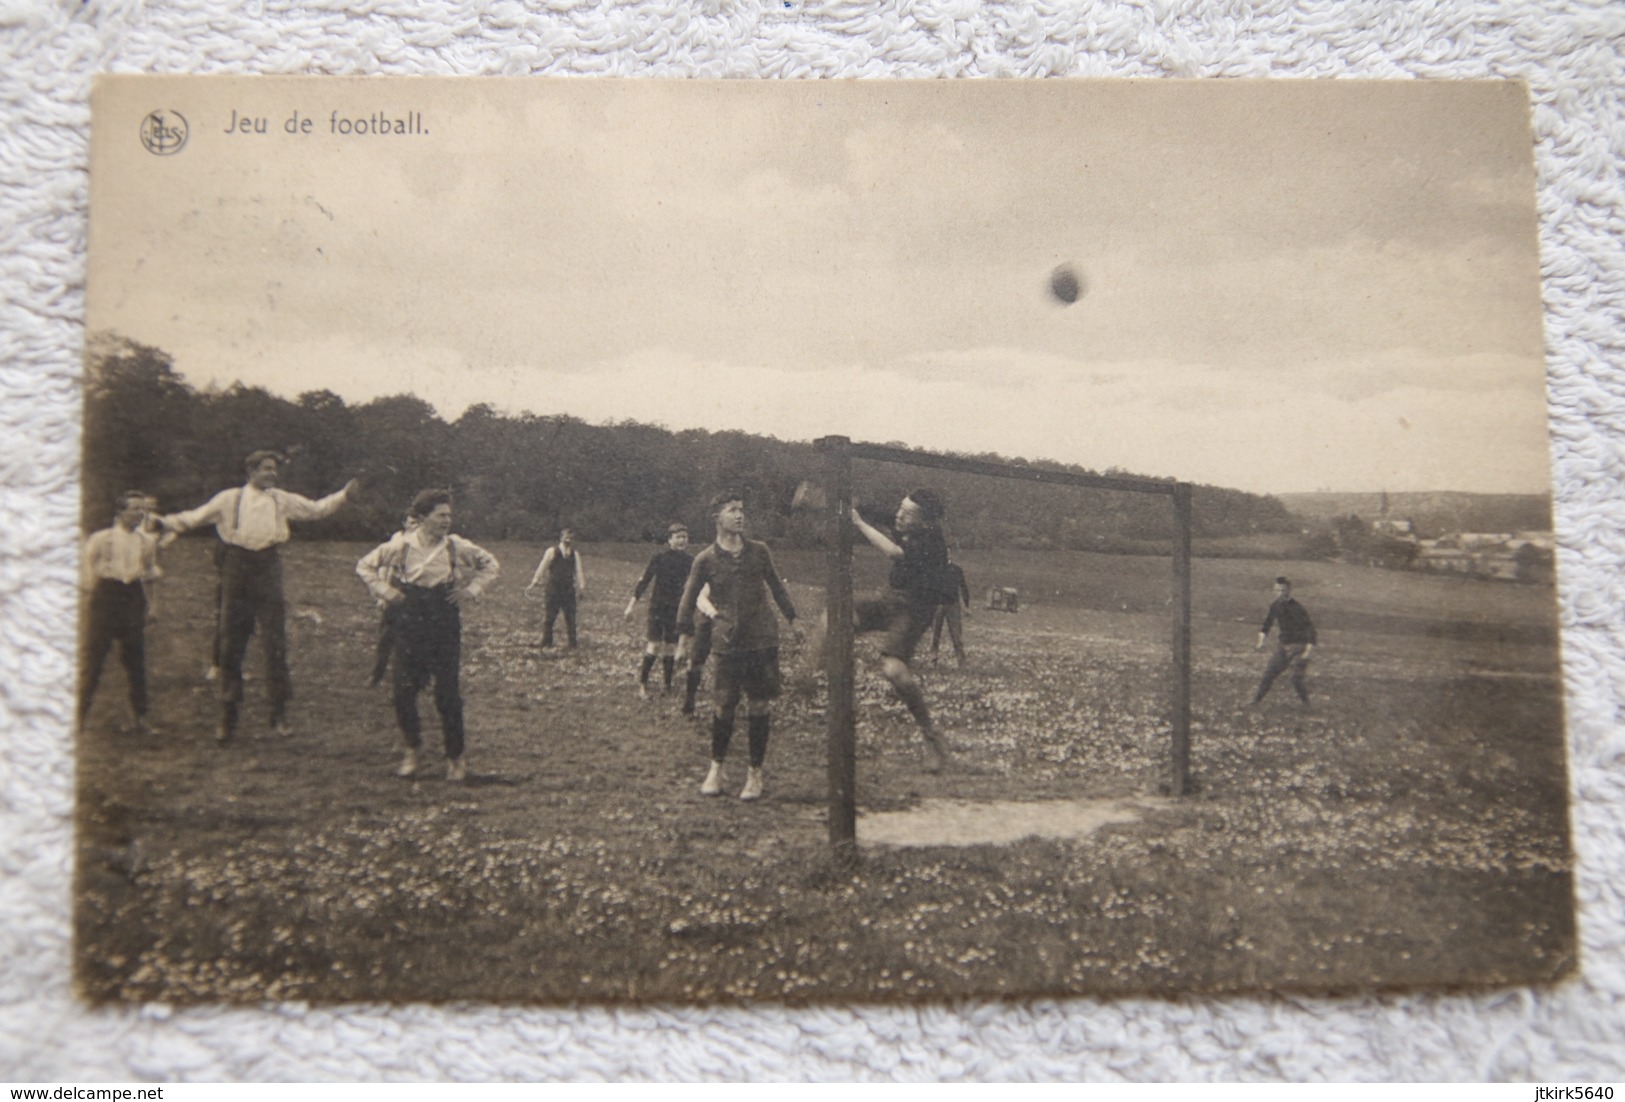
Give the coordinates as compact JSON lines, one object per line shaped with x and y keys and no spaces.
{"x":667,"y":572}
{"x":919,"y":563}
{"x":1295,"y":642}
{"x":745,"y":636}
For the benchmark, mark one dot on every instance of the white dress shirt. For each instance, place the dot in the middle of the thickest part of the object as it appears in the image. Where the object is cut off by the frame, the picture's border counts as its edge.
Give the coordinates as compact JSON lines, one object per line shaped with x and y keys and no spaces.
{"x":120,"y":555}
{"x":255,"y":519}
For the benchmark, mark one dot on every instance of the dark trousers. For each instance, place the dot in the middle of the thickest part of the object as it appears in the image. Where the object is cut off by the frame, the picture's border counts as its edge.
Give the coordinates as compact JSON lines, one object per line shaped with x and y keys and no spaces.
{"x":117,"y":614}
{"x":556,"y":603}
{"x":956,"y":629}
{"x":1286,"y":657}
{"x":429,"y":647}
{"x":386,"y":644}
{"x":250,"y":600}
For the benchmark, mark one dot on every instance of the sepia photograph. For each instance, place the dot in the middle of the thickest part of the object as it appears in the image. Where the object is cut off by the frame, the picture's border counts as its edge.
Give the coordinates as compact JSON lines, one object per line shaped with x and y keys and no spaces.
{"x":710,"y":542}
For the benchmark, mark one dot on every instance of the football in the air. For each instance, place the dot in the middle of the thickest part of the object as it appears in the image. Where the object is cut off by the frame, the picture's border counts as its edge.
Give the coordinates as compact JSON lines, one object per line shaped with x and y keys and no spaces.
{"x":1066,"y":285}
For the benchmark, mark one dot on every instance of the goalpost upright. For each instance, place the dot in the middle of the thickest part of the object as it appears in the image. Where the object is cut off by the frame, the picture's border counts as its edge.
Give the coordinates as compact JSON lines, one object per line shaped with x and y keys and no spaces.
{"x":838,"y":453}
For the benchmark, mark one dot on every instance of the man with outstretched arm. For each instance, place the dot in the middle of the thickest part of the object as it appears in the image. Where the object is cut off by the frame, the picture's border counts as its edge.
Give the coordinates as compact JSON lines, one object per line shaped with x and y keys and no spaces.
{"x":252,"y":522}
{"x":426,"y":575}
{"x":745,"y":637}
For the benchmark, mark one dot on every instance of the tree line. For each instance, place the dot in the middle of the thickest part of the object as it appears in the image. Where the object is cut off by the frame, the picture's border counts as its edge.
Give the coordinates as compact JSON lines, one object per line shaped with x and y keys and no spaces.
{"x":524,"y":476}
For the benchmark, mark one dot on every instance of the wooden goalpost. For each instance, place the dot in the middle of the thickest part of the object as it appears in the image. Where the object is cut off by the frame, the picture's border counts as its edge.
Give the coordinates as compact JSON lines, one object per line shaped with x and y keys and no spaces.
{"x":838,"y":453}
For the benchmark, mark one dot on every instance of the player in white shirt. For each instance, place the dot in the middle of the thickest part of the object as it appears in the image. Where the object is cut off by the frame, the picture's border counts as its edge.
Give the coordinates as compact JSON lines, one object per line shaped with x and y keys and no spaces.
{"x":118,"y":575}
{"x":252,"y":521}
{"x":426,"y":575}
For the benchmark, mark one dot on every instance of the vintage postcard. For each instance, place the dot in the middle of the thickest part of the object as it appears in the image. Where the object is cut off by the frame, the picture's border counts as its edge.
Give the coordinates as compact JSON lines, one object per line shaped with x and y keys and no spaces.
{"x":690,"y":541}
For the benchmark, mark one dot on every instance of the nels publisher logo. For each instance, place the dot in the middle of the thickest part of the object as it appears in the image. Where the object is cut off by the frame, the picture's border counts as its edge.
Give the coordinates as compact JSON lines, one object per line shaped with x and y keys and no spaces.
{"x":164,"y":132}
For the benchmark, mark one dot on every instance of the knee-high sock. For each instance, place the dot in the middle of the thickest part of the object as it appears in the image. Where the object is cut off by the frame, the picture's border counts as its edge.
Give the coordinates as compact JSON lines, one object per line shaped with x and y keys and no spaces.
{"x":722,"y":733}
{"x":914,"y":697}
{"x":758,"y":728}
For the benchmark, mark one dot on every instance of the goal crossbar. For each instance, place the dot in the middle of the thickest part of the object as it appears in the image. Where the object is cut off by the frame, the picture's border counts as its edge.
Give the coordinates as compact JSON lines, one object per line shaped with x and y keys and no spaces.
{"x":838,"y":453}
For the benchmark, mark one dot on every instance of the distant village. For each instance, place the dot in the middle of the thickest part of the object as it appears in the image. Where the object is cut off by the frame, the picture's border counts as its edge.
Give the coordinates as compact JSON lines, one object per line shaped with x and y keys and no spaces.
{"x":1526,"y":555}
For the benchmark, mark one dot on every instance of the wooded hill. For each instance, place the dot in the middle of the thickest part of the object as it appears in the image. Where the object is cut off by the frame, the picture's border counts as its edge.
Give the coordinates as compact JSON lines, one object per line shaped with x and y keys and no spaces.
{"x":522,"y":476}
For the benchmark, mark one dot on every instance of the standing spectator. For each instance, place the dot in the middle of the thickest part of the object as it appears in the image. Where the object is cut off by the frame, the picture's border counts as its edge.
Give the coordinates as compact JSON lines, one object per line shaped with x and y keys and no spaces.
{"x":667,"y":571}
{"x":564,"y":581}
{"x":427,"y":575}
{"x":1295,"y":642}
{"x":119,"y":575}
{"x":954,"y":594}
{"x":744,"y":639}
{"x":252,"y":523}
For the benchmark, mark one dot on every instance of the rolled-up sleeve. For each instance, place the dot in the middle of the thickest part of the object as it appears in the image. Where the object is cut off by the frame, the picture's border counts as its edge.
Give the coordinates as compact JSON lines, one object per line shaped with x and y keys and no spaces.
{"x":373,"y":569}
{"x":298,"y":507}
{"x":482,"y":563}
{"x":210,"y":512}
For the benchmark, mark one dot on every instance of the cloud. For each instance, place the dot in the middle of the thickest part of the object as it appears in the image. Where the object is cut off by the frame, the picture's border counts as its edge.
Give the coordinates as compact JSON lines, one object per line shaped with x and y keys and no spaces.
{"x":826,"y":251}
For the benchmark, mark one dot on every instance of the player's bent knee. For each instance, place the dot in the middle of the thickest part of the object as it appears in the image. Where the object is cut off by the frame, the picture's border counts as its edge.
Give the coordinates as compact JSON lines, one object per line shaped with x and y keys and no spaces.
{"x":895,"y":670}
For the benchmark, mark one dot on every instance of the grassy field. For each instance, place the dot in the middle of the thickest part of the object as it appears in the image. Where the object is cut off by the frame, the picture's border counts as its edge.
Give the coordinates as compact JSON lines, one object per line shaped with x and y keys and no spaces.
{"x":1411,"y":828}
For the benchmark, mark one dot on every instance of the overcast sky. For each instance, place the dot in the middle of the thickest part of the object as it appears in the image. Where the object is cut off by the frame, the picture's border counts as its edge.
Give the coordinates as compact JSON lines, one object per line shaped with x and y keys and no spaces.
{"x":1290,"y":286}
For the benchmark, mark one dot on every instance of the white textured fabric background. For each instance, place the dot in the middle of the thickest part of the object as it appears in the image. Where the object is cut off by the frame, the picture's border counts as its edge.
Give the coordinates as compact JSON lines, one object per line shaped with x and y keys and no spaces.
{"x":1571,"y":55}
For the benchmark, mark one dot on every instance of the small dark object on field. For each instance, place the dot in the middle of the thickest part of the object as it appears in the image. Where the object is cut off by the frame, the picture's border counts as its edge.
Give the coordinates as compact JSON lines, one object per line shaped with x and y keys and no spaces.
{"x":1003,"y":599}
